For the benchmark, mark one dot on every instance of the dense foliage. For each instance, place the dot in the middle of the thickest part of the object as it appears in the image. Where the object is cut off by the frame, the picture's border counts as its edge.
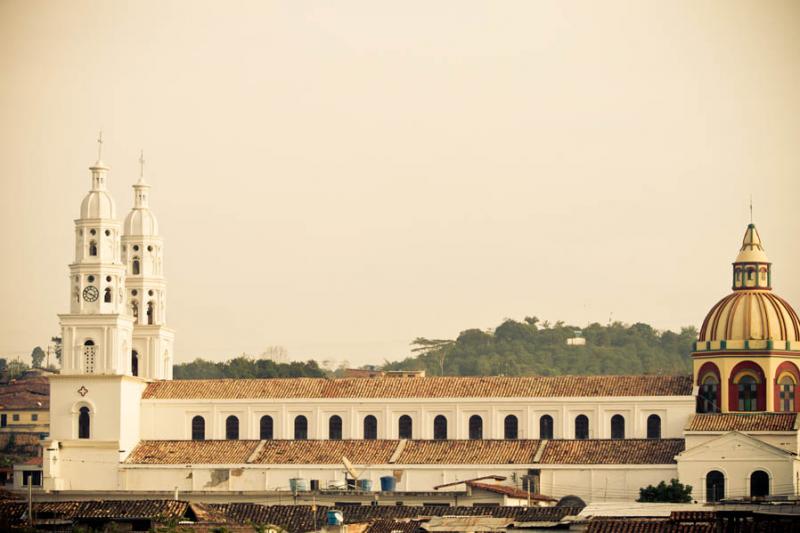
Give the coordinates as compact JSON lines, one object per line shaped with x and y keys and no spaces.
{"x":675,"y":492}
{"x":246,"y":367}
{"x":530,"y":347}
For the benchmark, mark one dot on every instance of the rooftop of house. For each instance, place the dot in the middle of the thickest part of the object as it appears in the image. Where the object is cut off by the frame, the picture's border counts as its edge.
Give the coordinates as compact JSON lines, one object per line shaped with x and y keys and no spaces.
{"x":27,"y":393}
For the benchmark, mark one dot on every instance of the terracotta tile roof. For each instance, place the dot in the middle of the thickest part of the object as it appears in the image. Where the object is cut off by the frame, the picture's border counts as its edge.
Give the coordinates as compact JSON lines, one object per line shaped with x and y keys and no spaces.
{"x":393,"y":526}
{"x":192,"y":452}
{"x":742,"y":422}
{"x":469,"y":452}
{"x":606,"y":451}
{"x":24,"y":400}
{"x":429,"y":387}
{"x":628,"y":451}
{"x":300,"y":517}
{"x":325,"y":452}
{"x":72,"y":510}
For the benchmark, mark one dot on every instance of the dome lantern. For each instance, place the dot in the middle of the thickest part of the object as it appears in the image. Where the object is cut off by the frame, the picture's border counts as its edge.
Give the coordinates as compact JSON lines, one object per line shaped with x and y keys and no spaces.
{"x":752,"y":268}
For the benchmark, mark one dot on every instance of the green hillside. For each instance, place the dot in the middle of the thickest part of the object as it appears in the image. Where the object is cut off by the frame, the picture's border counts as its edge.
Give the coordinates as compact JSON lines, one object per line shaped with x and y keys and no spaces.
{"x":532,"y":347}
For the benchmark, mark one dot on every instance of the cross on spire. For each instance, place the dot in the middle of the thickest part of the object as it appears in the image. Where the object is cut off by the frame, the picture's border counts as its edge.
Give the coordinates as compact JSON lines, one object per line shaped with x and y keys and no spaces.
{"x":100,"y":146}
{"x":751,"y":208}
{"x":141,"y":164}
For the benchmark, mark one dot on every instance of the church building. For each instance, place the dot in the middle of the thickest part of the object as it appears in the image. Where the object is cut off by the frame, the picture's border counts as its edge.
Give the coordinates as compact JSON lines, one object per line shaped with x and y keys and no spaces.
{"x":120,"y":423}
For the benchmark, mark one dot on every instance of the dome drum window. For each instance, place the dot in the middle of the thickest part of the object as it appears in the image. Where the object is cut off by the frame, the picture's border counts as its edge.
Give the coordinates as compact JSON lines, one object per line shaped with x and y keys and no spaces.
{"x":709,"y":390}
{"x":747,"y":388}
{"x":785,"y":398}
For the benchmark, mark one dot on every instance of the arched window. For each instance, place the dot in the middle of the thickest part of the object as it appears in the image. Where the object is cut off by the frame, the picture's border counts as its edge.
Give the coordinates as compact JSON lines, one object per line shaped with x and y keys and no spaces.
{"x":786,"y":388}
{"x":232,"y":428}
{"x":748,"y":398}
{"x":134,"y":363}
{"x":475,"y":427}
{"x":581,"y":427}
{"x":747,"y":389}
{"x":135,"y":266}
{"x":617,"y":427}
{"x":89,"y":354}
{"x":198,"y":428}
{"x":510,"y":427}
{"x":83,"y":423}
{"x":653,"y":427}
{"x":107,"y":296}
{"x":150,"y":313}
{"x":93,"y":248}
{"x":440,"y":427}
{"x":405,"y":427}
{"x":708,"y":396}
{"x":370,"y":427}
{"x":715,"y":486}
{"x":335,"y":427}
{"x":759,"y":484}
{"x":546,"y":427}
{"x":300,"y":427}
{"x":265,"y":427}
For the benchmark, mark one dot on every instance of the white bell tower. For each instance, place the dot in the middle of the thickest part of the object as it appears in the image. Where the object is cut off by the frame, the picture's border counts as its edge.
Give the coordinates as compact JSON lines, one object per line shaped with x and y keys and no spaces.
{"x":95,"y":400}
{"x":96,"y":334}
{"x":146,"y":291}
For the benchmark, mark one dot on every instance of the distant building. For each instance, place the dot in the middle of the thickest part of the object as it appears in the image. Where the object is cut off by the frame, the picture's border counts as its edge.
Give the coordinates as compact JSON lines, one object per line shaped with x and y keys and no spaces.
{"x":25,"y":405}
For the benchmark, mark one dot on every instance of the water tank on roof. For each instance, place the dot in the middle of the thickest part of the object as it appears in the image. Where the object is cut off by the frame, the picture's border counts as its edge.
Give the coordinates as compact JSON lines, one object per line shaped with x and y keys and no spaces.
{"x":335,"y":518}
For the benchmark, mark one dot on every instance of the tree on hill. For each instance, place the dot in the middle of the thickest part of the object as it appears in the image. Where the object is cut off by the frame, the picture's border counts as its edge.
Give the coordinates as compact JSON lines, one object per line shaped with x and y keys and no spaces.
{"x":37,"y":357}
{"x":540,"y":348}
{"x":246,"y":367}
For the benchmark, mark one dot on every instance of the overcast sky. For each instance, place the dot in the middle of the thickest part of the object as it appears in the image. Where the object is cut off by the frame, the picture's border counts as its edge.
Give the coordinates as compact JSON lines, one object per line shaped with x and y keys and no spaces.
{"x":341,"y":177}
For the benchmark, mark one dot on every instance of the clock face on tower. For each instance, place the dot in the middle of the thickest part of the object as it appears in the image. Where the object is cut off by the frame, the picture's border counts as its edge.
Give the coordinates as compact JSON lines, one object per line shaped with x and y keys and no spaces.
{"x":90,"y":293}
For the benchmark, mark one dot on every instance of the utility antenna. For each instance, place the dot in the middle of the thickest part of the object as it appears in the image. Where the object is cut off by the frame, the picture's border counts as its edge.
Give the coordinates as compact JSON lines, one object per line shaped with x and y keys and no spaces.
{"x":141,"y":164}
{"x":100,"y":146}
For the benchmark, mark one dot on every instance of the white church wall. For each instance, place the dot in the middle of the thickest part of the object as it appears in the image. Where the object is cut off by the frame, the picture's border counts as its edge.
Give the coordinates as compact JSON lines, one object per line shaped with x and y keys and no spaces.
{"x":784,"y":440}
{"x":171,"y":419}
{"x":597,"y":483}
{"x":591,"y":482}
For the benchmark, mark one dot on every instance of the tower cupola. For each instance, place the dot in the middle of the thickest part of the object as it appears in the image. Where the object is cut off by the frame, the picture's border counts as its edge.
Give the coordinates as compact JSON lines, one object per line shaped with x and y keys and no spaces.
{"x":752,"y":268}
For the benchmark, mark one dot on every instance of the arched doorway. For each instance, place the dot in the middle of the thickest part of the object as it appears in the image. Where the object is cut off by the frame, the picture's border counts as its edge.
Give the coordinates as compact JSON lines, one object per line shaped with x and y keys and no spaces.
{"x":759,"y":484}
{"x":715,"y":486}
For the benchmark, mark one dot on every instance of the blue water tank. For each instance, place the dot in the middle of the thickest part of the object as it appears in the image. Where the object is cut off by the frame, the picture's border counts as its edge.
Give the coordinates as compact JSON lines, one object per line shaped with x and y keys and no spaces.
{"x":335,"y":518}
{"x":365,"y":485}
{"x":387,"y":483}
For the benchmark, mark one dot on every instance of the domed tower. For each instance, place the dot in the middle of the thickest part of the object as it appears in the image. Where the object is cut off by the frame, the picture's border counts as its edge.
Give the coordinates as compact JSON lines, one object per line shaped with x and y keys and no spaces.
{"x":146,"y":298}
{"x":97,"y":330}
{"x":747,"y":354}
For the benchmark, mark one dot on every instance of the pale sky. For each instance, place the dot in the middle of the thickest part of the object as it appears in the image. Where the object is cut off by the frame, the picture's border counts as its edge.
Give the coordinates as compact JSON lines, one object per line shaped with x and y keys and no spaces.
{"x":341,"y":177}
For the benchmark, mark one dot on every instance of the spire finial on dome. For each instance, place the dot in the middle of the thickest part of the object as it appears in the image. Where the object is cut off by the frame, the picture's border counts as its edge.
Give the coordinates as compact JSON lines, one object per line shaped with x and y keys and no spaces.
{"x":141,"y":165}
{"x":100,"y":146}
{"x":751,"y":209}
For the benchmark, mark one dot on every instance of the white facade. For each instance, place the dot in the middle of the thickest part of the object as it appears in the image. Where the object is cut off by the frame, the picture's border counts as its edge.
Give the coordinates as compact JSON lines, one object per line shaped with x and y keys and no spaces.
{"x":172,"y":419}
